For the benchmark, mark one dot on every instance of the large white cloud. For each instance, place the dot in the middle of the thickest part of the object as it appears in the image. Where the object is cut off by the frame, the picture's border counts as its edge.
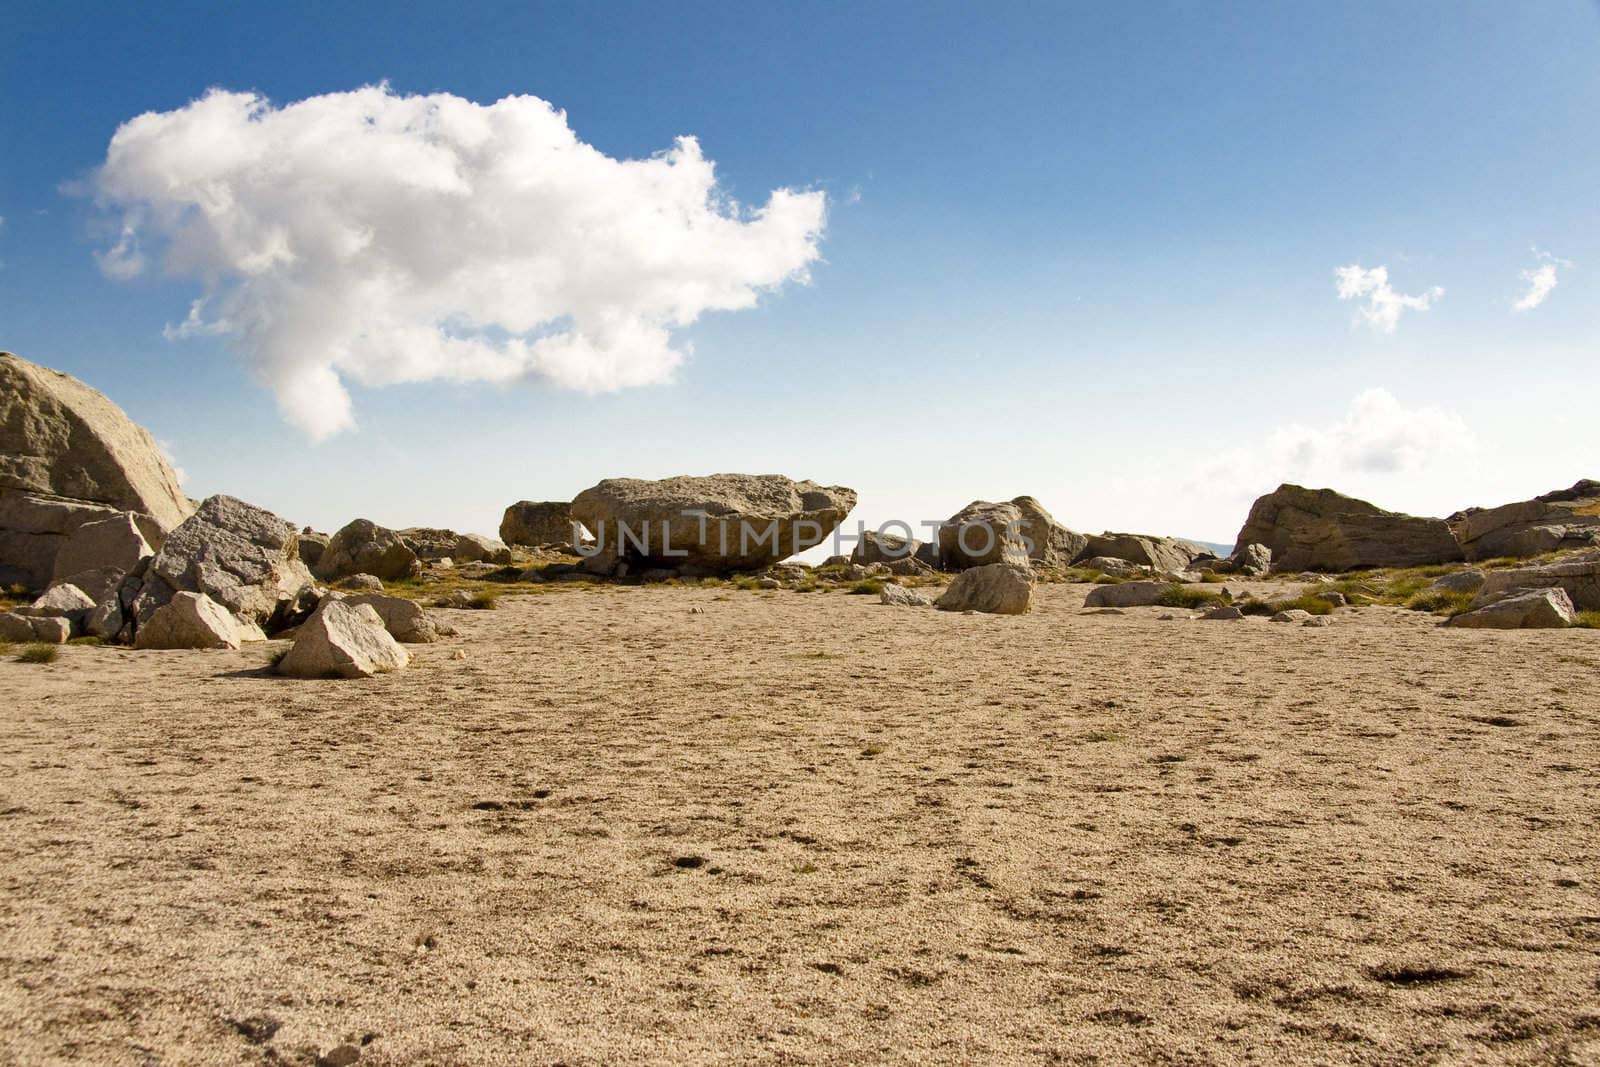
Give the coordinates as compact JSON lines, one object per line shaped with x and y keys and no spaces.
{"x":1382,"y":306}
{"x":384,"y":238}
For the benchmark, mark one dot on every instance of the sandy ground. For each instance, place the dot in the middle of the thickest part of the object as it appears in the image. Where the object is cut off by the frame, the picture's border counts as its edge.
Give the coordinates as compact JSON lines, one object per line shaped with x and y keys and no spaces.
{"x":808,"y":828}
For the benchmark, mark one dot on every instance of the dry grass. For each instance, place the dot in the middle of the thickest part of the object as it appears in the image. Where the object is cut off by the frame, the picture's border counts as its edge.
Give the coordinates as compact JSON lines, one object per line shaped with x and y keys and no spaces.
{"x":38,"y":653}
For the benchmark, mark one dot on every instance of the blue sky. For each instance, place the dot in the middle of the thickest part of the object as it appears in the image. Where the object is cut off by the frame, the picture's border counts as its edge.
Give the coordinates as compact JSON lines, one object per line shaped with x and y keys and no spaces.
{"x":1076,"y":251}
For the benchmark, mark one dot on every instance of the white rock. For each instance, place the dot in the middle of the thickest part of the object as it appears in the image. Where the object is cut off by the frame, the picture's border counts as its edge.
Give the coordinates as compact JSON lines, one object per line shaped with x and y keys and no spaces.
{"x":996,"y":588}
{"x":344,"y":641}
{"x":194,"y":620}
{"x":1521,"y":609}
{"x":901,"y":597}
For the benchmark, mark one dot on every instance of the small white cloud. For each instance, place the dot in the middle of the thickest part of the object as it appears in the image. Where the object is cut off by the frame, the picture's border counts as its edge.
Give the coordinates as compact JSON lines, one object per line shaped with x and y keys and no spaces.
{"x":1383,"y":306}
{"x":1541,"y":280}
{"x":382,"y":238}
{"x":166,"y":454}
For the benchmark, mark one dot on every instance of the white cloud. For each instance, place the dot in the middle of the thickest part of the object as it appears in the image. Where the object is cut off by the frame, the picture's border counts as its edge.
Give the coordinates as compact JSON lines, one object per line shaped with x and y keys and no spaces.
{"x":1383,"y":306}
{"x":1541,"y":280}
{"x":384,"y":238}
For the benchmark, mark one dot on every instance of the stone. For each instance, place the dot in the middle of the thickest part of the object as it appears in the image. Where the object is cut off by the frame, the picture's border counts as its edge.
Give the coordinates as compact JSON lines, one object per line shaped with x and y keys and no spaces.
{"x":62,"y":602}
{"x":344,"y":641}
{"x":1321,"y":530}
{"x":768,"y":583}
{"x":928,"y":555}
{"x":901,"y":597}
{"x":1112,"y":567}
{"x":194,"y":620}
{"x":1166,"y":554}
{"x":1578,"y":575}
{"x":1046,"y":541}
{"x":995,"y":588}
{"x":1252,"y":561}
{"x":20,"y":629}
{"x":1468,"y":581}
{"x":1292,"y":615}
{"x":312,"y":544}
{"x":835,"y":561}
{"x":361,"y":583}
{"x":437,"y":545}
{"x":404,"y":619}
{"x":983,"y":534}
{"x":1226,"y":612}
{"x":875,"y":547}
{"x":34,"y":528}
{"x":364,"y":547}
{"x":111,"y":544}
{"x":910,"y":567}
{"x":243,"y":557}
{"x":98,"y":584}
{"x":1330,"y":596}
{"x":1318,"y":620}
{"x":1127,"y":594}
{"x":1519,"y":609}
{"x":533,"y":523}
{"x":1564,"y":519}
{"x":707,"y":526}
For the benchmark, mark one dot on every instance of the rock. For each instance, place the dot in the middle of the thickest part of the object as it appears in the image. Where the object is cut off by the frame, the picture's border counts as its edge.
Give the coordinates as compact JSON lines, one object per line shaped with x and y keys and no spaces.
{"x":345,"y":641}
{"x":1519,"y":609}
{"x":901,"y":597}
{"x":1109,"y":611}
{"x":928,"y":555}
{"x":447,"y":545}
{"x":98,"y":584}
{"x":193,"y":620}
{"x":1252,"y":561}
{"x":1578,"y":575}
{"x":1226,"y":612}
{"x":835,"y":561}
{"x":720,"y":524}
{"x":312,"y":544}
{"x":547,"y":522}
{"x":1318,"y":620}
{"x":1331,"y":597}
{"x":1166,"y":554}
{"x":1321,"y":530}
{"x":1126,"y":595}
{"x":1112,"y":567}
{"x":875,"y":547}
{"x":1468,"y":581}
{"x":20,"y":629}
{"x":404,"y":619}
{"x":908,"y":568}
{"x":768,"y":583}
{"x":243,"y":557}
{"x":1564,"y":519}
{"x":62,"y":602}
{"x":995,"y":588}
{"x":461,"y":598}
{"x":364,"y":547}
{"x":1292,"y":615}
{"x":1047,"y":542}
{"x":112,"y":544}
{"x":983,"y":534}
{"x":361,"y":583}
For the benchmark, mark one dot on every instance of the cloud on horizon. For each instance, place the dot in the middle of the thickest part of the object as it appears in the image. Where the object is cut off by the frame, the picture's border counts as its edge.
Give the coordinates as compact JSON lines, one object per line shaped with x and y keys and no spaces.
{"x":1383,"y":306}
{"x":378,"y":238}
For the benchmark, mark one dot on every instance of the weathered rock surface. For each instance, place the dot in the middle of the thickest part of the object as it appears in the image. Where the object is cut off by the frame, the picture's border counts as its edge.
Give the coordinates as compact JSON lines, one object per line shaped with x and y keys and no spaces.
{"x":312,"y":544}
{"x":364,"y":547}
{"x":1578,"y":575}
{"x":1292,"y":615}
{"x":1126,"y":595}
{"x":1468,"y":581}
{"x":243,"y":557}
{"x":981,"y":534}
{"x":113,"y":544}
{"x":341,"y":640}
{"x":1252,"y":561}
{"x":995,"y":588}
{"x":20,"y":629}
{"x":1112,"y":567}
{"x":65,"y":601}
{"x":538,"y":522}
{"x":1048,"y":543}
{"x":875,"y":547}
{"x":1321,"y":530}
{"x":1566,"y":518}
{"x":1519,"y":609}
{"x":193,"y":620}
{"x":901,"y":597}
{"x":1166,"y":554}
{"x":719,"y":524}
{"x":404,"y":619}
{"x":433,"y":544}
{"x":1223,"y":613}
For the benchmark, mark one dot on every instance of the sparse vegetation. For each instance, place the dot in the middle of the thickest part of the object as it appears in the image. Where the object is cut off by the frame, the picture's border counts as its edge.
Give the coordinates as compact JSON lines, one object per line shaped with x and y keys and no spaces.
{"x":1440,"y":601}
{"x":744,"y":581}
{"x":90,"y":640}
{"x":484,"y":600}
{"x":38,"y":653}
{"x":870,"y":587}
{"x":1211,"y":578}
{"x":277,"y":657}
{"x":1588,"y":620}
{"x":1181,"y":596}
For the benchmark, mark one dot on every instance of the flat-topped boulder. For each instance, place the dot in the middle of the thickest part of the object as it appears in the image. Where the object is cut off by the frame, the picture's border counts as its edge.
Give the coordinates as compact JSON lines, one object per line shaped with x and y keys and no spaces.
{"x":1519,"y":609}
{"x":1578,"y":575}
{"x":1566,"y":518}
{"x":538,"y":522}
{"x":717,"y":524}
{"x":876,"y":546}
{"x":1166,"y":554}
{"x":1321,"y":530}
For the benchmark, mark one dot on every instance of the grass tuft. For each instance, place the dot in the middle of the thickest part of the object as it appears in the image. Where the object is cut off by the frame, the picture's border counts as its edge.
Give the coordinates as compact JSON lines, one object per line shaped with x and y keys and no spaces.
{"x":38,"y":653}
{"x":484,"y":600}
{"x":870,"y":587}
{"x":1181,"y":596}
{"x":1440,"y":602}
{"x":1588,"y":620}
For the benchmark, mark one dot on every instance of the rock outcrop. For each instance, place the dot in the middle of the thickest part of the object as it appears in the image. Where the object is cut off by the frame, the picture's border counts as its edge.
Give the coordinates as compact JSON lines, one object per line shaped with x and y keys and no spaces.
{"x":1048,"y":543}
{"x":1566,"y":518}
{"x":719,"y":524}
{"x":343,"y":640}
{"x":1321,"y":530}
{"x":1127,"y":595}
{"x":981,"y":534}
{"x":1519,"y":609}
{"x":114,"y":544}
{"x":1579,"y":575}
{"x":405,"y":619}
{"x":538,"y":522}
{"x":243,"y":557}
{"x":194,"y":620}
{"x":433,"y":544}
{"x":875,"y":547}
{"x":995,"y":588}
{"x":44,"y":629}
{"x":68,"y":455}
{"x":312,"y":544}
{"x":364,"y":547}
{"x":900,"y":597}
{"x":1165,"y":554}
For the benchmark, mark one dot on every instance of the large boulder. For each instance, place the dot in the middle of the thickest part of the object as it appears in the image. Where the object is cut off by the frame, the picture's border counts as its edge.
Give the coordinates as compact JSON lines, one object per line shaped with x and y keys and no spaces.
{"x":1519,"y":609}
{"x":64,"y":601}
{"x":404,"y":619}
{"x":1321,"y":530}
{"x":98,"y":555}
{"x":364,"y":547}
{"x":434,"y":544}
{"x":1166,"y":554}
{"x":44,"y":629}
{"x":343,"y":640}
{"x":1127,"y":595}
{"x":194,"y":620}
{"x":981,"y":534}
{"x":312,"y":544}
{"x":876,"y":547}
{"x":1579,"y":575}
{"x":1251,"y":560}
{"x":900,"y":597}
{"x":995,"y":588}
{"x":243,"y":557}
{"x":1566,"y":518}
{"x":719,"y":524}
{"x":538,"y":522}
{"x":68,"y":455}
{"x":1048,"y":543}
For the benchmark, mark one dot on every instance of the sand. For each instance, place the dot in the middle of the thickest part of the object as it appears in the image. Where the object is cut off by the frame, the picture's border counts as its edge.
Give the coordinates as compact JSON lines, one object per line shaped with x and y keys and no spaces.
{"x":808,"y":828}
